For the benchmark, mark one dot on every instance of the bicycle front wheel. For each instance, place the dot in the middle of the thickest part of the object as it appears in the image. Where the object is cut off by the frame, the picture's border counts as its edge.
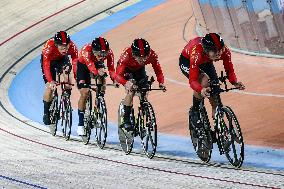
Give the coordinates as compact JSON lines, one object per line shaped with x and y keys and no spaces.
{"x":54,"y":114}
{"x":67,"y":119}
{"x":148,"y":130}
{"x":232,"y":139}
{"x":101,"y":123}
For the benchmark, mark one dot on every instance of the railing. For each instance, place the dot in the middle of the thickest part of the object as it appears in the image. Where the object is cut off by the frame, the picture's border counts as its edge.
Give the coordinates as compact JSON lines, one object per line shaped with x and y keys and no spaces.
{"x":250,"y":25}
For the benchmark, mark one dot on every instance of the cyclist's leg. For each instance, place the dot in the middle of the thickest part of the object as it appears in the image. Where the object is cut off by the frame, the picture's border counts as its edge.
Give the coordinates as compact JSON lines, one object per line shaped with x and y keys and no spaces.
{"x":128,"y":103}
{"x":197,"y":98}
{"x":184,"y":65}
{"x":83,"y":81}
{"x":47,"y":96}
{"x":210,"y":70}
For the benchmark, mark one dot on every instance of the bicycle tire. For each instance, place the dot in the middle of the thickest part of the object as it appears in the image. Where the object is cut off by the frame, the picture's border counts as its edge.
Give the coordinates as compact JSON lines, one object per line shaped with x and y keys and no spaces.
{"x":234,"y":146}
{"x":54,"y":114}
{"x":67,"y":119}
{"x":148,"y":129}
{"x":101,"y":128}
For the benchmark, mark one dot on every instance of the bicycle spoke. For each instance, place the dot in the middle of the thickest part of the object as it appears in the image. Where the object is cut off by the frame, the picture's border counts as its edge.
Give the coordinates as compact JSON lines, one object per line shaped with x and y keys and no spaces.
{"x":148,"y":126}
{"x":101,"y":123}
{"x":147,"y":142}
{"x":235,"y":155}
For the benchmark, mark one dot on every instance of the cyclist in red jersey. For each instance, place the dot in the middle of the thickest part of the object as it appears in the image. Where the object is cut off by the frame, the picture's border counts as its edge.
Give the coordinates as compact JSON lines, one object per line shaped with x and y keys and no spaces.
{"x":196,"y":63}
{"x":91,"y":63}
{"x":55,"y":56}
{"x":131,"y":65}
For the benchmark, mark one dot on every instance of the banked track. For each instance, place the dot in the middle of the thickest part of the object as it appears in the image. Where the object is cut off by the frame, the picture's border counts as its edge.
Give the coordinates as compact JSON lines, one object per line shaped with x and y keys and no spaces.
{"x":183,"y":169}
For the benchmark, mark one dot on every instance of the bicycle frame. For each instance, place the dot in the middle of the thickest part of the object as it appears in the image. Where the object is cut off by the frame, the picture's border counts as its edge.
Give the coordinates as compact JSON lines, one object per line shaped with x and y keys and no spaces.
{"x":219,"y":114}
{"x":142,"y":94}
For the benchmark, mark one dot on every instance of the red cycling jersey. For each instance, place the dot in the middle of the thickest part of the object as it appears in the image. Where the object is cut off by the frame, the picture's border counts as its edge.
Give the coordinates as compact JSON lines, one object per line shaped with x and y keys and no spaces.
{"x":87,"y":57}
{"x":194,"y":52}
{"x":50,"y":52}
{"x":127,"y":60}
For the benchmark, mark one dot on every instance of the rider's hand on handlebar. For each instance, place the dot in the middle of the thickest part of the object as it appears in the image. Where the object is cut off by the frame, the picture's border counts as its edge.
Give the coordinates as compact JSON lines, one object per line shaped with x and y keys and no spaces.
{"x":239,"y":85}
{"x":52,"y":85}
{"x":162,"y":86}
{"x":101,"y":71}
{"x":205,"y":92}
{"x":128,"y":85}
{"x":67,"y":69}
{"x":116,"y":84}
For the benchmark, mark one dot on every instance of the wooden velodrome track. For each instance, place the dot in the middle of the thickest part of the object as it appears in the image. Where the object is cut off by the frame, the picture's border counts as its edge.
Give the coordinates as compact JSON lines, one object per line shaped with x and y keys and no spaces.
{"x":31,"y":157}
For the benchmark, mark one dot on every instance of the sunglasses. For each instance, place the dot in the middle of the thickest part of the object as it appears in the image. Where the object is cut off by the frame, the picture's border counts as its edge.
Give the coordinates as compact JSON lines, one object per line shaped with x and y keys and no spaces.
{"x":100,"y":53}
{"x":62,"y":47}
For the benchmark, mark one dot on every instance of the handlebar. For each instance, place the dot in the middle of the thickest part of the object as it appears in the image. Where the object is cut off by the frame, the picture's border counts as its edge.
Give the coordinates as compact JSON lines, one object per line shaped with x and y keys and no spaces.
{"x":64,"y":83}
{"x":94,"y":86}
{"x":148,"y":89}
{"x":221,"y":79}
{"x":99,"y":76}
{"x":150,"y":82}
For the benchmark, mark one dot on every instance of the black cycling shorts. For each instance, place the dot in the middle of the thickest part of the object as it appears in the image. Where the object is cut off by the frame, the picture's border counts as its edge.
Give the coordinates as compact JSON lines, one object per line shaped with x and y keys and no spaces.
{"x":140,"y":77}
{"x":207,"y":68}
{"x":83,"y":74}
{"x":55,"y":64}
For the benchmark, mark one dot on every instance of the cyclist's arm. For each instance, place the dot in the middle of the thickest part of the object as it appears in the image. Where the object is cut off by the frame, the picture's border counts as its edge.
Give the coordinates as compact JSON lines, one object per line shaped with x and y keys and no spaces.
{"x":121,"y":65}
{"x":89,"y":63}
{"x":110,"y":65}
{"x":46,"y":68}
{"x":195,"y":60}
{"x":228,"y":65}
{"x":74,"y":56}
{"x":157,"y":68}
{"x":73,"y":53}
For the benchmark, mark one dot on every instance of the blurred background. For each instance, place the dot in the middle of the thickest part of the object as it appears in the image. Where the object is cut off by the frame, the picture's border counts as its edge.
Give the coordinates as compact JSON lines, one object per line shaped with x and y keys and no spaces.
{"x":251,"y":25}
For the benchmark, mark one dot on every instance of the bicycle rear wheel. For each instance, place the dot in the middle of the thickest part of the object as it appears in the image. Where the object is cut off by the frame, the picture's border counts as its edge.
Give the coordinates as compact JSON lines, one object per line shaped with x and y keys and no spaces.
{"x":148,"y":130}
{"x":101,"y":125}
{"x":54,"y":114}
{"x":201,"y":137}
{"x":67,"y":121}
{"x":88,"y":120}
{"x":232,"y":139}
{"x":126,"y":139}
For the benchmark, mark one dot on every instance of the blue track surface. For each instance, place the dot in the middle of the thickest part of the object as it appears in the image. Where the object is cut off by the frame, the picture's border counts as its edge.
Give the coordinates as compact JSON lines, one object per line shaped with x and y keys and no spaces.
{"x":25,"y":93}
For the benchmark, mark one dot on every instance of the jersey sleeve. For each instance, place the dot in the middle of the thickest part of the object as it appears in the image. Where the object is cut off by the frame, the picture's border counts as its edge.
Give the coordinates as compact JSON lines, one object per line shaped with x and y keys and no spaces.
{"x":74,"y":56}
{"x":157,"y":68}
{"x":46,"y":52}
{"x":121,"y":65}
{"x":228,"y":66}
{"x":89,"y":63}
{"x":110,"y":64}
{"x":195,"y":61}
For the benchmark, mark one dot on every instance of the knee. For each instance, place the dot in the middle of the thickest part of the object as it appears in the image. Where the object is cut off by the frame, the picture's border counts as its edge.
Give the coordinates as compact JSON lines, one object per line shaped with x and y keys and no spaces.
{"x":204,"y":80}
{"x":84,"y":93}
{"x":48,"y":89}
{"x":130,"y":94}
